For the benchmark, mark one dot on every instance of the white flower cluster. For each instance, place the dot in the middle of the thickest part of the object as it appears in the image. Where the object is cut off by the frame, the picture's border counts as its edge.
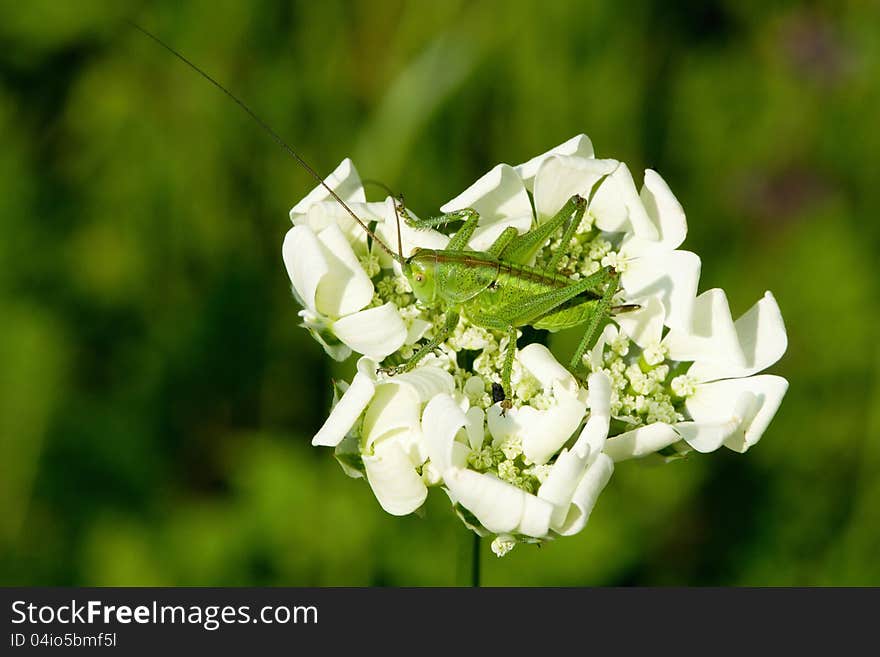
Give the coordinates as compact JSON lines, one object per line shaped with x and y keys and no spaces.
{"x":676,"y":375}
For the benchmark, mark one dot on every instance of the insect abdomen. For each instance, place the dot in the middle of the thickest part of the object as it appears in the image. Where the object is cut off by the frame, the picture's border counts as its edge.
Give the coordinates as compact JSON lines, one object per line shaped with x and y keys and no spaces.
{"x":514,"y":286}
{"x":573,"y":313}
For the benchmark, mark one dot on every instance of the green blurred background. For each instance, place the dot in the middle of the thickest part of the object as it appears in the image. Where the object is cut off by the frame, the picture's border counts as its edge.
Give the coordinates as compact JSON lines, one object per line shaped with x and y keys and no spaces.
{"x":157,"y":398}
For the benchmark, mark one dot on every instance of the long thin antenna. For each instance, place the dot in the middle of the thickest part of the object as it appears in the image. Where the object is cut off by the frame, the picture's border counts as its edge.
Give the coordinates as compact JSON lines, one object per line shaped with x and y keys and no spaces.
{"x":397,"y":217}
{"x":278,"y":140}
{"x":381,"y":185}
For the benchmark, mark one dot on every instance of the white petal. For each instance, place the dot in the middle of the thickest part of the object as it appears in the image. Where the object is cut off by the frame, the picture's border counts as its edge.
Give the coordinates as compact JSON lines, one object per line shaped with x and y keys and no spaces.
{"x":608,"y":334}
{"x":579,"y":145}
{"x":344,"y":180}
{"x":496,"y":504}
{"x":712,"y":336}
{"x":416,"y":331}
{"x":375,"y":332}
{"x":541,"y":364}
{"x":326,"y":213}
{"x":708,"y":436}
{"x":536,"y":515}
{"x":616,"y":206}
{"x":645,"y":325}
{"x":599,"y":399}
{"x":305,"y":263}
{"x":393,"y":409}
{"x":561,"y":482}
{"x":592,"y":438}
{"x":502,"y":427}
{"x":476,"y":423}
{"x":441,"y":420}
{"x":586,"y":495}
{"x":544,"y":432}
{"x":426,"y":382}
{"x":394,"y":480}
{"x":499,"y":194}
{"x":350,"y":406}
{"x":718,"y":402}
{"x":560,"y":177}
{"x":761,"y":336}
{"x":500,"y":507}
{"x":345,"y":288}
{"x":641,"y":442}
{"x":664,"y":209}
{"x":670,"y":277}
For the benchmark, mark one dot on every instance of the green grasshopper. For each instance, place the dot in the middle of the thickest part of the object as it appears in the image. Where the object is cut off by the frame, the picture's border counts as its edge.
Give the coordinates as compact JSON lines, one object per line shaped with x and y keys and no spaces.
{"x":494,"y":289}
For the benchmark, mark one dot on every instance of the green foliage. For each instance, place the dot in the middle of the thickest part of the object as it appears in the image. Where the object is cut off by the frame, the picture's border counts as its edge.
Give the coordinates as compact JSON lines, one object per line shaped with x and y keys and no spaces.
{"x":157,"y":398}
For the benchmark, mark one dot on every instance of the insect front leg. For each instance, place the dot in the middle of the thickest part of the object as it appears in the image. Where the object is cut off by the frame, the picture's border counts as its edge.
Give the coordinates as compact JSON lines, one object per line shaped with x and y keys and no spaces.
{"x":459,"y":241}
{"x":440,"y":337}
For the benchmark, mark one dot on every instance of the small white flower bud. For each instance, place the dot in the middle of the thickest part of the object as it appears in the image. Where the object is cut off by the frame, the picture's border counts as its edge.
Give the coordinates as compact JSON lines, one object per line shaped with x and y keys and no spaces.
{"x":502,"y":545}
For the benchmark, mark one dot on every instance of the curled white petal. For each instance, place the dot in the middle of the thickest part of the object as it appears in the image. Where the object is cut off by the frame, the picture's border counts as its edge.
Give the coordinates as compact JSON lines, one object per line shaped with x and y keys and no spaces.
{"x":426,"y":382}
{"x":641,"y":442}
{"x":541,"y":364}
{"x":326,"y":213}
{"x":536,"y":515}
{"x":344,"y":180}
{"x":560,"y":177}
{"x":719,"y":401}
{"x":712,"y":336}
{"x":617,"y":207}
{"x":416,"y":331}
{"x":394,"y":480}
{"x":579,"y":145}
{"x":393,"y":409}
{"x":476,"y":419}
{"x":349,"y":407}
{"x":542,"y":432}
{"x":563,"y":479}
{"x":665,"y":211}
{"x":497,"y":194}
{"x":708,"y":436}
{"x":586,"y":495}
{"x":500,"y":507}
{"x":595,"y":354}
{"x":761,"y":340}
{"x":595,"y":431}
{"x":305,"y":263}
{"x":645,"y":325}
{"x":375,"y":332}
{"x":671,"y":277}
{"x":345,"y":288}
{"x":441,"y":421}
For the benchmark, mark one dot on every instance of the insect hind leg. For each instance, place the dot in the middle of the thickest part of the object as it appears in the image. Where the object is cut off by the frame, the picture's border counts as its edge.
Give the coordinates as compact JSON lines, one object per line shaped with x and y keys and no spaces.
{"x":597,"y":320}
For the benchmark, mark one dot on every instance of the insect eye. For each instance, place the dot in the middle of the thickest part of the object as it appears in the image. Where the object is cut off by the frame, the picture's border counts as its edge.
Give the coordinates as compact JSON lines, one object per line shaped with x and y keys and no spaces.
{"x":419,"y":278}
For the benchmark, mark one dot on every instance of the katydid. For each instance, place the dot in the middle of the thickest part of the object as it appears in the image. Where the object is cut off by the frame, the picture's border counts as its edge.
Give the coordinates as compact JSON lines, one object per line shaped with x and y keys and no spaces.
{"x":495,"y":289}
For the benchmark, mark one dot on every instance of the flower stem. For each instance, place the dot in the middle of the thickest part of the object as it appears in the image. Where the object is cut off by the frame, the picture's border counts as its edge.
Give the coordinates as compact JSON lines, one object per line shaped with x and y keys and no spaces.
{"x":475,"y":561}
